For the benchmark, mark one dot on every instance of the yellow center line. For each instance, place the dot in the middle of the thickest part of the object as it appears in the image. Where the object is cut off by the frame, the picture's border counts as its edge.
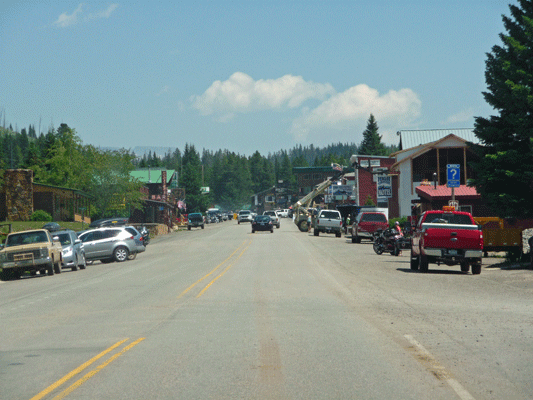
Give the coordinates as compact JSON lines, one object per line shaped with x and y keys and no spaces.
{"x":55,"y":385}
{"x":88,"y":376}
{"x":223,"y":272}
{"x":210,"y":273}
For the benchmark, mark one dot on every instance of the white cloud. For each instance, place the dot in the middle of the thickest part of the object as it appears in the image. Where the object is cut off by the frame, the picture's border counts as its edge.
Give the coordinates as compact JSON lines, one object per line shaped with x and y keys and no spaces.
{"x":353,"y":107}
{"x":347,"y":111}
{"x":104,"y":14}
{"x":65,"y":20}
{"x":462,"y":116}
{"x":240,"y":93}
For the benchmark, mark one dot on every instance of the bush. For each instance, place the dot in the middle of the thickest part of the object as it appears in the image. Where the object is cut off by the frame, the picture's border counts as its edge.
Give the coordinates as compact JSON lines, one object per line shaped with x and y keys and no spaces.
{"x":41,"y":215}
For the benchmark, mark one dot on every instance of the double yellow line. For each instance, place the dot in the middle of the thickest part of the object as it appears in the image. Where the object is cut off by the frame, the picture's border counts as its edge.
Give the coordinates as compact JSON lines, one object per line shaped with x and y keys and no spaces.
{"x":243,"y":247}
{"x":216,"y":268}
{"x":89,"y":375}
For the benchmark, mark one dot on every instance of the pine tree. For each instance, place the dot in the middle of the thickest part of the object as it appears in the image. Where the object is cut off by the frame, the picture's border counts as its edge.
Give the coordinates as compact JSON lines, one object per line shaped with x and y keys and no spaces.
{"x":504,"y":172}
{"x":371,"y":144}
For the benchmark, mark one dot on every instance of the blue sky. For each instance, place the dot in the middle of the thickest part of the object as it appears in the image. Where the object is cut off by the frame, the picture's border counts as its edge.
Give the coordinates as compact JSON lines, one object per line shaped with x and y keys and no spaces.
{"x":245,"y":75}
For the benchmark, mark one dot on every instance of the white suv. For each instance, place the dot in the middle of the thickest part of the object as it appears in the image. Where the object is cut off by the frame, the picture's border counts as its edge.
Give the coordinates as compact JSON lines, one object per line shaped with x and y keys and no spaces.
{"x":274,"y":216}
{"x":245,"y":216}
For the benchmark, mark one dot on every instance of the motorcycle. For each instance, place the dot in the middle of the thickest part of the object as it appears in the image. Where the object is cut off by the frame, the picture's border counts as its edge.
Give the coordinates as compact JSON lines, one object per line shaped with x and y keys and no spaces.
{"x":385,"y":241}
{"x":145,"y":235}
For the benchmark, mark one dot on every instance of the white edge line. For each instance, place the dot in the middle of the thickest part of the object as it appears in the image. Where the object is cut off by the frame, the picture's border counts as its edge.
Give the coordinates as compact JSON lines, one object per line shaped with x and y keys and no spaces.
{"x":456,"y":386}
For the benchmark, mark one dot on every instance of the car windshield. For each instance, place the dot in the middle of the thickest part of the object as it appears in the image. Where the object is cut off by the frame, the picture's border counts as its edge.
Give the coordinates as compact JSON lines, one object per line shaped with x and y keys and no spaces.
{"x":26,"y":238}
{"x":64,"y":238}
{"x":195,"y":217}
{"x":458,"y":219}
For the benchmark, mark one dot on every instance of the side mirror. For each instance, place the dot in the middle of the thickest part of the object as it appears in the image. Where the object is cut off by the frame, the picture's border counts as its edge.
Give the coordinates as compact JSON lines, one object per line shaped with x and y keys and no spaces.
{"x":55,"y":238}
{"x":77,"y":241}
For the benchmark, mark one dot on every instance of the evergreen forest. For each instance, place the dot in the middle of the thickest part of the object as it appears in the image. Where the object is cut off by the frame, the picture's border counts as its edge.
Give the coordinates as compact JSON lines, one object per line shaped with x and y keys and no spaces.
{"x":59,"y":158}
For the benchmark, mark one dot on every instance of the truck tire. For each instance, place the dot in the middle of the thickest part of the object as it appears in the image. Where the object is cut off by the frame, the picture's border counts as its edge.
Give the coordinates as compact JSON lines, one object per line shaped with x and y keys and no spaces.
{"x":423,"y":263}
{"x":338,"y":234}
{"x":57,"y":267}
{"x":50,"y":269}
{"x":188,"y":227}
{"x":302,"y":225}
{"x":414,"y":263}
{"x":316,"y":232}
{"x":465,"y":266}
{"x":476,"y":269}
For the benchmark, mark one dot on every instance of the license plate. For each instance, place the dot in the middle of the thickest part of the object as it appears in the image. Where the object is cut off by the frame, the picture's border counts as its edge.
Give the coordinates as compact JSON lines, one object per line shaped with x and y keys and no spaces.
{"x":452,"y":252}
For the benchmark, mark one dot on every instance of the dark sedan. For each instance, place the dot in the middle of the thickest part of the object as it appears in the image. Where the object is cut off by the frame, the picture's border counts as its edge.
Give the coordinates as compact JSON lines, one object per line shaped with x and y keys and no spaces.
{"x":262,"y":223}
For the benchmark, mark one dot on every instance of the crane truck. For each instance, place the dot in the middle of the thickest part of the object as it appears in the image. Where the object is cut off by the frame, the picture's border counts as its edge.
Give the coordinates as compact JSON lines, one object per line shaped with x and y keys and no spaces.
{"x":301,"y":206}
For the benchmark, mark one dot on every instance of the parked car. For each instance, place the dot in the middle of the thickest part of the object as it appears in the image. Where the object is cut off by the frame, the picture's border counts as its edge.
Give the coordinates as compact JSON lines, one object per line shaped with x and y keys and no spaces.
{"x":366,"y":223}
{"x":73,"y":249}
{"x":262,"y":223}
{"x":275,"y":217}
{"x":195,"y":220}
{"x":244,"y":216}
{"x":139,"y":241}
{"x":108,"y":244}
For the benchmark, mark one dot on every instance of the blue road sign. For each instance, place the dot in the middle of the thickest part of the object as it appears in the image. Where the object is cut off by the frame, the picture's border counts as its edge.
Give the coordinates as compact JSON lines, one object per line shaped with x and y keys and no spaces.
{"x":454,"y":175}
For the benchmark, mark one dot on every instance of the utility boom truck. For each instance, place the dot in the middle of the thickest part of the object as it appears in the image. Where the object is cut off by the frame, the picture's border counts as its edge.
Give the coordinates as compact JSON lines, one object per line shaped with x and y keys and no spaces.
{"x":301,"y":206}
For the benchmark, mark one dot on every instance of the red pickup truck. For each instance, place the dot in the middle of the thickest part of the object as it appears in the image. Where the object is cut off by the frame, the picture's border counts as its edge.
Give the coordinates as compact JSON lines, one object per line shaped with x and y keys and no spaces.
{"x":447,"y":237}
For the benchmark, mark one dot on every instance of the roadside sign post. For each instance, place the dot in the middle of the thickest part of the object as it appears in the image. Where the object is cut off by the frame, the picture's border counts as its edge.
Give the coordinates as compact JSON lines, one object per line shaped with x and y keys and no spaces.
{"x":454,"y":177}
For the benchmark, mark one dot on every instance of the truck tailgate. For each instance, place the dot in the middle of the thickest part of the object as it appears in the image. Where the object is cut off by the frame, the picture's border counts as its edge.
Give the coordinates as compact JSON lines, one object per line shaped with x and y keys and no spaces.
{"x":449,"y":236}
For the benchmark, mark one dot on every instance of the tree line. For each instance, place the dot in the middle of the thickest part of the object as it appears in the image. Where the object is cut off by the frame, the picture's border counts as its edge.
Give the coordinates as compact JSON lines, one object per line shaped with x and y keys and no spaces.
{"x":60,"y":158}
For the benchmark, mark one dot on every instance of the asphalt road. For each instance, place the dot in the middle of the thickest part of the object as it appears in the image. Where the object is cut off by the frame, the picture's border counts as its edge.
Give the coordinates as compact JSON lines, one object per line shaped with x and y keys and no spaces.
{"x":221,"y":313}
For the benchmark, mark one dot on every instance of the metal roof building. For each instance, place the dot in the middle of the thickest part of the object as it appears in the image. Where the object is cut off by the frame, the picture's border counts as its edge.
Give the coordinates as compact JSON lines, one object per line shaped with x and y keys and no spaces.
{"x":415,"y":138}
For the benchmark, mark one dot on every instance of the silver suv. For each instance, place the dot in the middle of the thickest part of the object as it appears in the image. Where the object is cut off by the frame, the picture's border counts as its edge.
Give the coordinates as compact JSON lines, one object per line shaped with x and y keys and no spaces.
{"x":108,"y":244}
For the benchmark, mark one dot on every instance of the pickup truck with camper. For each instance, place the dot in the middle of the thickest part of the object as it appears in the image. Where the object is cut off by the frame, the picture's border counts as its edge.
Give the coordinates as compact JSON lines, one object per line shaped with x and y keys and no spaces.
{"x":447,"y":237}
{"x":33,"y":251}
{"x":328,"y":221}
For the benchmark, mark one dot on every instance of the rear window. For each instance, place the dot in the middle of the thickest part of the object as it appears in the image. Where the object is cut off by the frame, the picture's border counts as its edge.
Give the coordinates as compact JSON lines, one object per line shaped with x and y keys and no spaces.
{"x":458,"y":219}
{"x":373,"y":218}
{"x":329,"y":214}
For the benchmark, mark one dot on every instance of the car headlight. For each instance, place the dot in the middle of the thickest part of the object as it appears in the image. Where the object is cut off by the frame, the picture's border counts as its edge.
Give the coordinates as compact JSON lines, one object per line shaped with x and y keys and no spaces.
{"x":3,"y":257}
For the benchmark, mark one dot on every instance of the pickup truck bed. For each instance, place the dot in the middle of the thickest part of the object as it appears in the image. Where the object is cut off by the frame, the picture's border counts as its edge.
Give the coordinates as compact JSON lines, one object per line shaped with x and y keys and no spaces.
{"x":448,"y":238}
